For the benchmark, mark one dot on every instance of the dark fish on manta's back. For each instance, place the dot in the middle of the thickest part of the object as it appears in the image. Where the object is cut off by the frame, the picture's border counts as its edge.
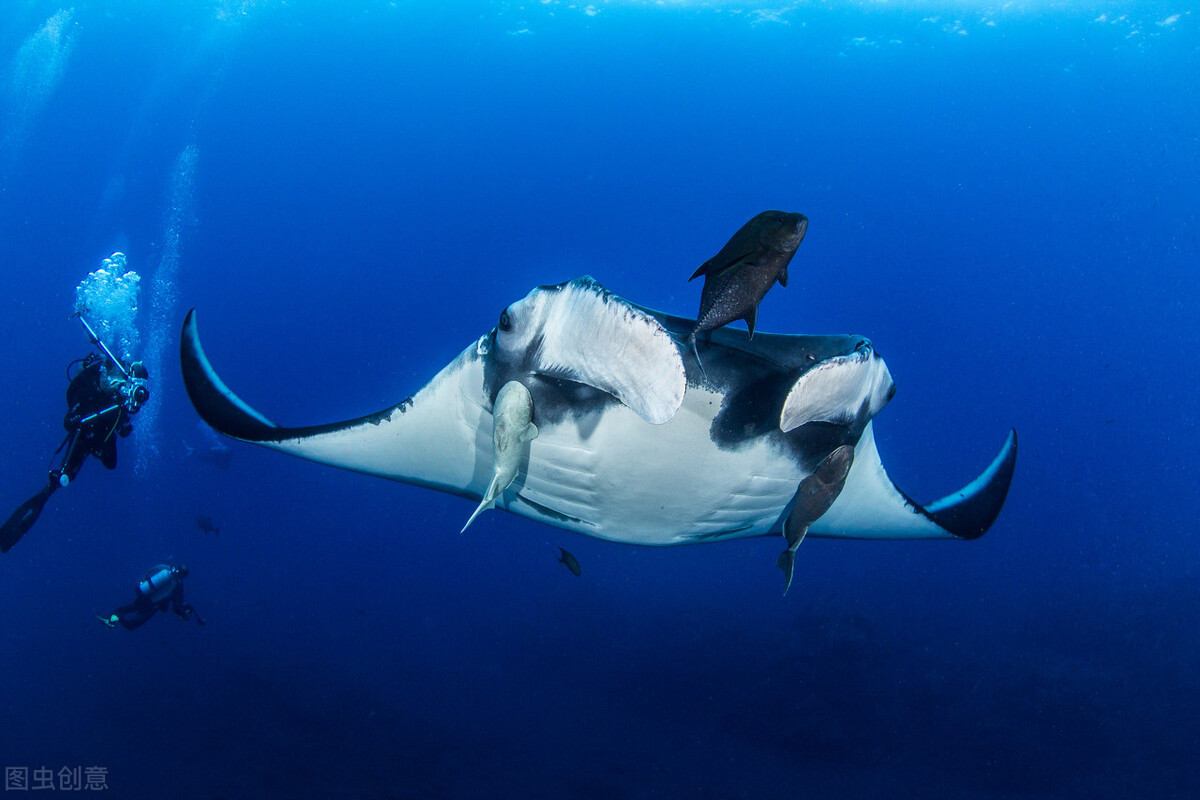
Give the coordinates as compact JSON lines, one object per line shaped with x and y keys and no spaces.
{"x":738,"y":278}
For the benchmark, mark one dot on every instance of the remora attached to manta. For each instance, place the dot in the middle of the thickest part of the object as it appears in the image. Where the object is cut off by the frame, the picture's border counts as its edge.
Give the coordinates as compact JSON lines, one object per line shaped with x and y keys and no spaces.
{"x":633,"y":443}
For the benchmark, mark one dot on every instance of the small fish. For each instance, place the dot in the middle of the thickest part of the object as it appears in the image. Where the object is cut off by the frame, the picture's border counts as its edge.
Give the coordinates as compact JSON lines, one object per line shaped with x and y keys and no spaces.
{"x":206,"y":526}
{"x":738,"y":277}
{"x":512,"y":431}
{"x":570,"y":562}
{"x":814,"y":496}
{"x":210,"y":449}
{"x":217,"y":456}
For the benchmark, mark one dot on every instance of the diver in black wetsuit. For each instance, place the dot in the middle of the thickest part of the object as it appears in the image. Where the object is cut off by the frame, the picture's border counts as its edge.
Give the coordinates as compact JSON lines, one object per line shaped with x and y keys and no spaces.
{"x":101,"y":397}
{"x":97,"y":413}
{"x":160,"y":589}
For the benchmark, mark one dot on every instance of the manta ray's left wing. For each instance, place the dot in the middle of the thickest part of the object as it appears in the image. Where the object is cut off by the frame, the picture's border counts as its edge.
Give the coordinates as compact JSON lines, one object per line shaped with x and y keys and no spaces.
{"x":428,"y":439}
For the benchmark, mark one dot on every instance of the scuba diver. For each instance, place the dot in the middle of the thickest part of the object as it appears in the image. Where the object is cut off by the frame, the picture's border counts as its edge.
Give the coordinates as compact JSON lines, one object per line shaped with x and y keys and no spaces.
{"x":101,"y":396}
{"x":159,"y":589}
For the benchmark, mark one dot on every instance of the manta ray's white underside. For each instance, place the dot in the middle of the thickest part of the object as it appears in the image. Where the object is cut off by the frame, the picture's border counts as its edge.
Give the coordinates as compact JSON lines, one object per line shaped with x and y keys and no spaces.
{"x":711,"y":471}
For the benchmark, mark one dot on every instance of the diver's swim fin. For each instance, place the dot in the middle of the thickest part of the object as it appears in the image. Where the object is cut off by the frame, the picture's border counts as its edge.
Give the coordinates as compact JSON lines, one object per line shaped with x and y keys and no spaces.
{"x":23,"y":518}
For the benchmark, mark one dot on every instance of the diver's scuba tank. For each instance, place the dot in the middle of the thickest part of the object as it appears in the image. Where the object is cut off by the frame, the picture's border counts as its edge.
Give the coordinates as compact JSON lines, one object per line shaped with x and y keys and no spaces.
{"x":158,"y":583}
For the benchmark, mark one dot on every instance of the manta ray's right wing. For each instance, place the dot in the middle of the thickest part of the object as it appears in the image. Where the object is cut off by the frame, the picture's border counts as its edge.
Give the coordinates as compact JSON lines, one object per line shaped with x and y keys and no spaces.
{"x":870,"y":506}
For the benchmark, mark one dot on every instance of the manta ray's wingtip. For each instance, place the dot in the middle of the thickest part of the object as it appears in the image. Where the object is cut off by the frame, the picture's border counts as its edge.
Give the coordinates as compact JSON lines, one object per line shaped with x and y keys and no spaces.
{"x":969,"y":512}
{"x":216,"y":404}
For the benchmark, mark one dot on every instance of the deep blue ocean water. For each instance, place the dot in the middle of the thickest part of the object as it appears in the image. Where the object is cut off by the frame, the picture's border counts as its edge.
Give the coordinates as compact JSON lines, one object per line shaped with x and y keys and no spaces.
{"x":1002,"y":196}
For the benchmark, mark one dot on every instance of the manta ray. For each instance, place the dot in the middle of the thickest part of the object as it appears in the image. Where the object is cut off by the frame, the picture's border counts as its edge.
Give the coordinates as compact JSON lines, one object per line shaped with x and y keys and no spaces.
{"x":615,"y":432}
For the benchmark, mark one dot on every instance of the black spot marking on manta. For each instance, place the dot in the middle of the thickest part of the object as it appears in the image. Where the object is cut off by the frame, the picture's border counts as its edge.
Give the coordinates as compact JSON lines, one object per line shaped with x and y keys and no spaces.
{"x":751,"y":410}
{"x":558,"y":400}
{"x":555,"y":399}
{"x":751,"y":413}
{"x":756,"y":387}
